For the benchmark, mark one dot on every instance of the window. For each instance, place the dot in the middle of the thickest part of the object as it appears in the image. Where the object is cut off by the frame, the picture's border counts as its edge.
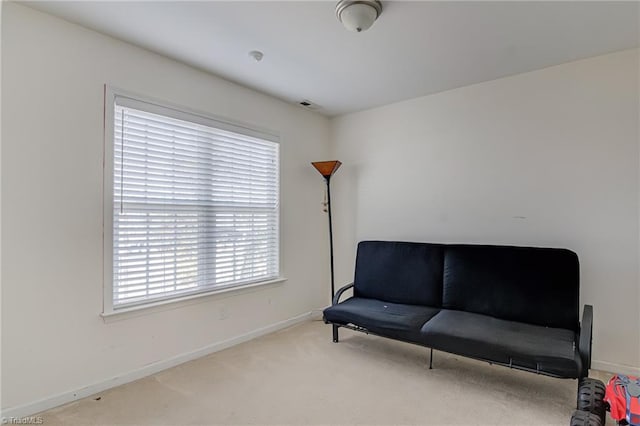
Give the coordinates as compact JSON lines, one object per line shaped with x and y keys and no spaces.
{"x":194,"y":204}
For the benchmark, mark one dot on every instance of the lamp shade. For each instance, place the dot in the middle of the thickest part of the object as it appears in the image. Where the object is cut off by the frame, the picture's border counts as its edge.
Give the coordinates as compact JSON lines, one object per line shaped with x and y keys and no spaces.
{"x":358,"y":15}
{"x":327,"y":168}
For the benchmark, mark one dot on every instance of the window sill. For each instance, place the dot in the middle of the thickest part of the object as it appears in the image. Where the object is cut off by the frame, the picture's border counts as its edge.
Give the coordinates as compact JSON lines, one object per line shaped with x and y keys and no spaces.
{"x":163,"y":305}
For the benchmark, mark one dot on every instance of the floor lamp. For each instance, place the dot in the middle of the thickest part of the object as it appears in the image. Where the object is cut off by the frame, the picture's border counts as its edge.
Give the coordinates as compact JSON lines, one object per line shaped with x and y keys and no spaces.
{"x":327,"y":169}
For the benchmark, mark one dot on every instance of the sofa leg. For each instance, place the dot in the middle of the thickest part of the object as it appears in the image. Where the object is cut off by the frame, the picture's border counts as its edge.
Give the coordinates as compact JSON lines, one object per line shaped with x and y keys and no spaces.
{"x":335,"y":333}
{"x":431,"y":359}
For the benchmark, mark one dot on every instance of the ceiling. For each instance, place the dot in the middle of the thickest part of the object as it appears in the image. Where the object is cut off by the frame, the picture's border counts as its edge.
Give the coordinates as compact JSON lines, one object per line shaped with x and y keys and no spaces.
{"x":414,"y":49}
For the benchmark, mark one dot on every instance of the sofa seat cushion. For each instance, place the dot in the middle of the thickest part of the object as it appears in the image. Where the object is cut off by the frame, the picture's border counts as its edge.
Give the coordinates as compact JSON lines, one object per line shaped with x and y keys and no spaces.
{"x":399,"y":321}
{"x":549,"y":350}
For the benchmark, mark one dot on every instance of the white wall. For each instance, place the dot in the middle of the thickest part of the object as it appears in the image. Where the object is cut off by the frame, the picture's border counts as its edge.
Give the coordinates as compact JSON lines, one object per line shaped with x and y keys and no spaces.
{"x":53,"y":339}
{"x":546,"y":158}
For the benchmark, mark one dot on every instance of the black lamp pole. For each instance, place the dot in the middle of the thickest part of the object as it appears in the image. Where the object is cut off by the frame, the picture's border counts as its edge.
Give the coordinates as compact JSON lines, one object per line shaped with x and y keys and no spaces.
{"x":328,"y":178}
{"x":327,"y":169}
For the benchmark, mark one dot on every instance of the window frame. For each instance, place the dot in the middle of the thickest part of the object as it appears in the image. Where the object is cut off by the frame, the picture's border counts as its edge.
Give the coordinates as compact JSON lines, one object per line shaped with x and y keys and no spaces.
{"x":183,"y":113}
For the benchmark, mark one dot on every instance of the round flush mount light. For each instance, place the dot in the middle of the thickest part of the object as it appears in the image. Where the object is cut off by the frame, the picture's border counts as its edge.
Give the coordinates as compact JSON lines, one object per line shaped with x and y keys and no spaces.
{"x":358,"y":15}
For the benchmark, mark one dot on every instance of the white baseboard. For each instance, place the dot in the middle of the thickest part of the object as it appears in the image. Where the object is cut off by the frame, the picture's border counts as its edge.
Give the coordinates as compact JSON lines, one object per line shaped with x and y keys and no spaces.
{"x":317,"y":314}
{"x":611,"y":367}
{"x":66,"y":397}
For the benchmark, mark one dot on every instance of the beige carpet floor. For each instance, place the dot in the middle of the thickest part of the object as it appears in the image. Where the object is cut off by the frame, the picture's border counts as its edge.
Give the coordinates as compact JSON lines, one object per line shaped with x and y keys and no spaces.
{"x":299,"y":377}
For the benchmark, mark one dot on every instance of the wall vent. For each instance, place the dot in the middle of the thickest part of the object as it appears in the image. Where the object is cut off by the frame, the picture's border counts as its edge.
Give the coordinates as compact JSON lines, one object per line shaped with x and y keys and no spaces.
{"x":307,"y":104}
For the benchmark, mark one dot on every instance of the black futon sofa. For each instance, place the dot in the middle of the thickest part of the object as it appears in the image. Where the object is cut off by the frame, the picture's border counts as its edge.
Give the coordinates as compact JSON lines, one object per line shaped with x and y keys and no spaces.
{"x":513,"y":306}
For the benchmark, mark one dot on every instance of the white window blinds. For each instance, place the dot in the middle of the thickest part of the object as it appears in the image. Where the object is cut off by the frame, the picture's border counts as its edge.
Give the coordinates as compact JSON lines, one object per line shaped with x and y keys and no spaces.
{"x":195,"y":204}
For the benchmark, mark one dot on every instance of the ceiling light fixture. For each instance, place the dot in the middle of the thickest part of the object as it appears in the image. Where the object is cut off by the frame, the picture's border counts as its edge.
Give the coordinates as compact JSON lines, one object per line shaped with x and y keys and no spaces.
{"x":358,"y":15}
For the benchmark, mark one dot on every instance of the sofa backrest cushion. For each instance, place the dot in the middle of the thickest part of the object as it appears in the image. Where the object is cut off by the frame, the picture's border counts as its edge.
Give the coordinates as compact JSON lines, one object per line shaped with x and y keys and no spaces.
{"x":532,"y":285}
{"x":399,"y":272}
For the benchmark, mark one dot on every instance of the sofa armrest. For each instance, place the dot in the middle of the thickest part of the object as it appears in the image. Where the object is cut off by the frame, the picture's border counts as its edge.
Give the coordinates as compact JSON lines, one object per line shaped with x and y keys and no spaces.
{"x":584,"y":344}
{"x":336,"y":298}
